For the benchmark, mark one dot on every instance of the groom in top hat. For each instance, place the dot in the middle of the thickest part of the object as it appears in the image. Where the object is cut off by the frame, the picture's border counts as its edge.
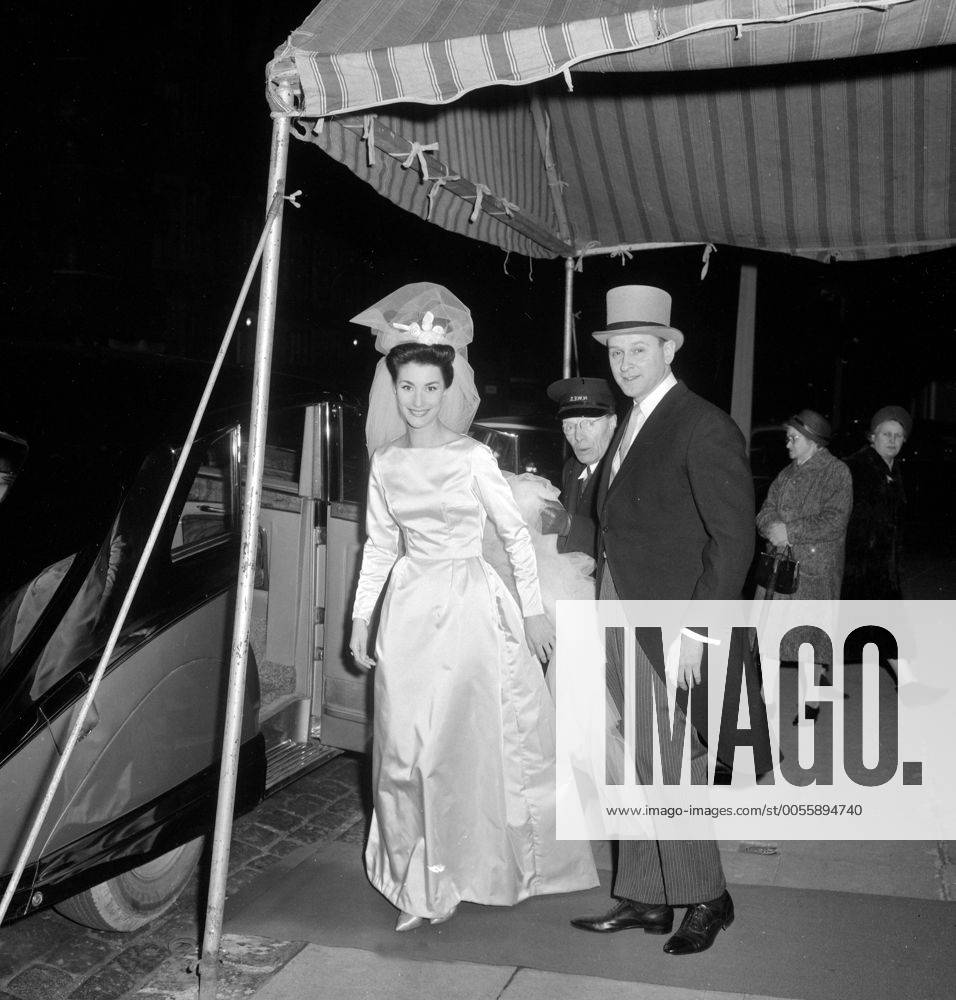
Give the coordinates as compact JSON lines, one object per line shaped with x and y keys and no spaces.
{"x":586,"y":411}
{"x":675,"y":510}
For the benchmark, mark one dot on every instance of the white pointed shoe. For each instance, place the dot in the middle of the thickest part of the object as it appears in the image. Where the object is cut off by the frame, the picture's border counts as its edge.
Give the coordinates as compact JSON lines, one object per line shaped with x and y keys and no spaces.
{"x":408,"y":921}
{"x":444,"y":916}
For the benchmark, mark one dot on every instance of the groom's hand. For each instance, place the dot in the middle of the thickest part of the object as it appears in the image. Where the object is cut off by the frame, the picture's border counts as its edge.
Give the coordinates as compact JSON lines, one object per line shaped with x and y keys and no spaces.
{"x":682,"y":662}
{"x":691,"y":655}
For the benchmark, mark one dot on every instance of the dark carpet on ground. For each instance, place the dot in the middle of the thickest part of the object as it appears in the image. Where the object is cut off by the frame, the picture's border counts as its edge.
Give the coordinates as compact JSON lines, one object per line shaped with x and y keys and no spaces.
{"x":791,"y":943}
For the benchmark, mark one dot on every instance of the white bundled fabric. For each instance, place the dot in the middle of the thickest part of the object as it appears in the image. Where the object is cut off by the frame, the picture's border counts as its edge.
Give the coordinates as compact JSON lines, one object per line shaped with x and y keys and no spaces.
{"x":562,"y":576}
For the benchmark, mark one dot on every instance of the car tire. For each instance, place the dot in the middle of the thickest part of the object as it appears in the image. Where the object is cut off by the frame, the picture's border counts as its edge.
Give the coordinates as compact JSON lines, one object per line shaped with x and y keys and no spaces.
{"x":128,"y":901}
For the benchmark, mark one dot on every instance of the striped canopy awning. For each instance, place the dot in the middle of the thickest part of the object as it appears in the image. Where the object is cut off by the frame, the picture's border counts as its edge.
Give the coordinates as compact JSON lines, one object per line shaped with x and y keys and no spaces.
{"x":815,"y":127}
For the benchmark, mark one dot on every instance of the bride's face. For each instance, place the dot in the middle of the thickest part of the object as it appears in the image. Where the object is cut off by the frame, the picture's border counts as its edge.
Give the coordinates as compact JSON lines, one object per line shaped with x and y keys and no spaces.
{"x":419,"y":390}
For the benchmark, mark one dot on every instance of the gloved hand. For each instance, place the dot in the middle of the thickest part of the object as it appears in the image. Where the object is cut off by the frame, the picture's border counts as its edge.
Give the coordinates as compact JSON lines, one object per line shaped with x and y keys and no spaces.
{"x":555,"y":520}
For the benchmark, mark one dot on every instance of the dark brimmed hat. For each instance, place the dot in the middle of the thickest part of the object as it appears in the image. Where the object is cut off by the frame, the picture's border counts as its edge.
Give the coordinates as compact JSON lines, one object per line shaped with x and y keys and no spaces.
{"x":582,"y":397}
{"x":896,"y":413}
{"x":811,"y":425}
{"x":639,"y":309}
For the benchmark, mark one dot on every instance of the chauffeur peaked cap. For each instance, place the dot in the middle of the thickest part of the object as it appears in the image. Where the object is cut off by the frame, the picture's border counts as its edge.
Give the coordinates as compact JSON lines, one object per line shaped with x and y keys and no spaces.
{"x":639,"y":309}
{"x":582,"y":397}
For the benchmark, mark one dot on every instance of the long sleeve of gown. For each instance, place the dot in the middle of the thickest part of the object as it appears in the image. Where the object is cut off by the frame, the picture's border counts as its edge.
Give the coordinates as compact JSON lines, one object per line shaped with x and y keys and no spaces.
{"x":381,"y":546}
{"x":499,"y":503}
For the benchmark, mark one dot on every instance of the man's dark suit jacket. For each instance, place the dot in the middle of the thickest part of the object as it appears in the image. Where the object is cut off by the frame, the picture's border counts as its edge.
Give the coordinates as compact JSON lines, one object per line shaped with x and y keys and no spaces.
{"x":677,"y":522}
{"x":580,"y":501}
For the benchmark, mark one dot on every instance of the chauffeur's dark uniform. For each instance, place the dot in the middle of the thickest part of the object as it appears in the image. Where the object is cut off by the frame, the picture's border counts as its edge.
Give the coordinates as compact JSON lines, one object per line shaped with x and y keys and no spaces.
{"x":579,"y":498}
{"x":581,"y":397}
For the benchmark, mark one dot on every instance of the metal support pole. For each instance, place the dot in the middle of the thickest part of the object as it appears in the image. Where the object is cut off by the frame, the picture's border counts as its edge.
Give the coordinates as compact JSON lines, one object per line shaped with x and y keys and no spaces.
{"x":741,"y":401}
{"x":209,"y":962}
{"x":568,"y":315}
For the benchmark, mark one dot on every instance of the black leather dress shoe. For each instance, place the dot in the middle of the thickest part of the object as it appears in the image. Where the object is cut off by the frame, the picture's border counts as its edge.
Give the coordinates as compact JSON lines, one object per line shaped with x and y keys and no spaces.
{"x":652,"y":918}
{"x":700,"y":926}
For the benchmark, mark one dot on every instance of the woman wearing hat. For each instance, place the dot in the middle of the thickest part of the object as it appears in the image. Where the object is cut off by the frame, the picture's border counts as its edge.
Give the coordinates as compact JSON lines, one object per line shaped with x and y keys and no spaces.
{"x":874,"y":536}
{"x":807,"y":509}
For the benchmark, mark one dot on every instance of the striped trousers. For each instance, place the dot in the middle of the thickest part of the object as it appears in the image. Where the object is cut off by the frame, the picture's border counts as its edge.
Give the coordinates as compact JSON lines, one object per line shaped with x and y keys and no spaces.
{"x":678,"y":872}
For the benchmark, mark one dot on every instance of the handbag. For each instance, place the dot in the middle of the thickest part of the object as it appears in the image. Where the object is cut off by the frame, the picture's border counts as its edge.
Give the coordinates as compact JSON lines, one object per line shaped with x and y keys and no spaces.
{"x":778,"y":572}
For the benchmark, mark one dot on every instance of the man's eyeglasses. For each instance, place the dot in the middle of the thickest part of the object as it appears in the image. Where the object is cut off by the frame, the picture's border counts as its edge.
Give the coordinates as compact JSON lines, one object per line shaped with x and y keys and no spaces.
{"x":580,"y":423}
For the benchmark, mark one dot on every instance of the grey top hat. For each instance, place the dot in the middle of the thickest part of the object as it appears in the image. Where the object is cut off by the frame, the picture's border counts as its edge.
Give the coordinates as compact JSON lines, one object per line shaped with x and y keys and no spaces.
{"x":583,"y":397}
{"x":639,"y":309}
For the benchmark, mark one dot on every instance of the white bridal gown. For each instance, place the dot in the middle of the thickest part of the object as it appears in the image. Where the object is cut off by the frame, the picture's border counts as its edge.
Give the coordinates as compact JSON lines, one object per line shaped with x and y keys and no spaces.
{"x":463,"y":756}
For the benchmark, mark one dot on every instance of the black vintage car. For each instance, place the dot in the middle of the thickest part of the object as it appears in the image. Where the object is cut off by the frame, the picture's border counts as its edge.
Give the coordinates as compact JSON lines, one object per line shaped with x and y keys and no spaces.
{"x":89,"y":441}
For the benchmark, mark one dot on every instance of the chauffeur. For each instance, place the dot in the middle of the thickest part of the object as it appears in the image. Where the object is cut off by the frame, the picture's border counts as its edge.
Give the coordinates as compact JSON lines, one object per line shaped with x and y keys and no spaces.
{"x":675,"y":506}
{"x":586,"y":412}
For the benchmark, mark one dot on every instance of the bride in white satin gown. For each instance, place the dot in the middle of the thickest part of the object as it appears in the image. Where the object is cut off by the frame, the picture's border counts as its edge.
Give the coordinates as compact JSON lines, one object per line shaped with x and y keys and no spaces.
{"x":463,"y":775}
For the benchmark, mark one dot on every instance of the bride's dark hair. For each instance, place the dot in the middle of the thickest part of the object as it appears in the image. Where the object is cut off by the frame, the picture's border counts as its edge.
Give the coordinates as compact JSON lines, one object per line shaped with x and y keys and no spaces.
{"x":442,"y":356}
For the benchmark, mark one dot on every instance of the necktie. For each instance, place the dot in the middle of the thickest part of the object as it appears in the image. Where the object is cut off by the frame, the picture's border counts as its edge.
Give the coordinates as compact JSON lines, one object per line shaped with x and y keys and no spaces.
{"x":634,"y":422}
{"x":582,"y":486}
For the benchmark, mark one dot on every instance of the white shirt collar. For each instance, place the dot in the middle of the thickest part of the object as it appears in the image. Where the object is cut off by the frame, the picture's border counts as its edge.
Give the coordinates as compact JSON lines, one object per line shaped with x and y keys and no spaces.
{"x":588,"y":470}
{"x":646,"y":406}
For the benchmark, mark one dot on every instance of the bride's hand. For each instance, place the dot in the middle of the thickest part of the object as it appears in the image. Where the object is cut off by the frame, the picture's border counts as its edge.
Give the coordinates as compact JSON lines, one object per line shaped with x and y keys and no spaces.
{"x":540,"y":635}
{"x":358,"y":644}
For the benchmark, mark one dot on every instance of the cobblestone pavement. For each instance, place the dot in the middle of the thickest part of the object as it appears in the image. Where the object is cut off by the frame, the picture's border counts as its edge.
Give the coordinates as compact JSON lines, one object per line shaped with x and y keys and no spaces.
{"x":47,"y":957}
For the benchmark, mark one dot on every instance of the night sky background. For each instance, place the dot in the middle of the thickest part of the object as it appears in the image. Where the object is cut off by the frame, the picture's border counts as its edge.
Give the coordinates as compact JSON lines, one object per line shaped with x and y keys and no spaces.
{"x":137,"y":146}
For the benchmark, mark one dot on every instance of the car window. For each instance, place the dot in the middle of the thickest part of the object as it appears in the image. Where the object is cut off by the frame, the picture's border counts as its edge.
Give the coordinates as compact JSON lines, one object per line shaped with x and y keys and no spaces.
{"x":543,"y":454}
{"x":84,"y":627}
{"x":350,"y":480}
{"x":283,"y":456}
{"x":207,"y":515}
{"x":503,"y":447}
{"x":95,"y":580}
{"x":87,"y":621}
{"x":21,"y":608}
